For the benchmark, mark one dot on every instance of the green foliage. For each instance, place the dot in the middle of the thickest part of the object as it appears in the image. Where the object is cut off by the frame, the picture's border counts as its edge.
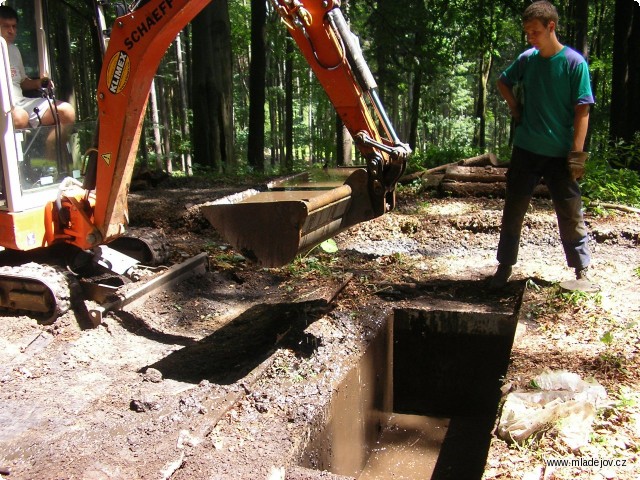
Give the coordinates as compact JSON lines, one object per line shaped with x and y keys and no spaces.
{"x":578,"y":298}
{"x":306,"y":265}
{"x":607,"y":338}
{"x":625,"y":155}
{"x":433,"y":156}
{"x":320,"y":264}
{"x":612,"y":358}
{"x":606,"y":183}
{"x":329,"y":246}
{"x":239,"y":19}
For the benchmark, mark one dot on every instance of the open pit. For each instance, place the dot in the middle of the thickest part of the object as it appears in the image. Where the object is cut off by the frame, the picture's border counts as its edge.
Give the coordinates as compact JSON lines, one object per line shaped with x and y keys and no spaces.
{"x":422,"y":401}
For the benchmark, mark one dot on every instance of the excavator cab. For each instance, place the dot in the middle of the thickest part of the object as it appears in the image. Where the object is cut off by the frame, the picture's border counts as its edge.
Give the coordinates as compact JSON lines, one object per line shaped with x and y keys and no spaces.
{"x":37,"y":162}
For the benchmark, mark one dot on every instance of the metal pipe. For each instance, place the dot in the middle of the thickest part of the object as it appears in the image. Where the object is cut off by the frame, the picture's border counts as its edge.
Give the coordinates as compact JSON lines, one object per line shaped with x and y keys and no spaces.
{"x":354,"y":52}
{"x":382,"y":114}
{"x":360,"y":68}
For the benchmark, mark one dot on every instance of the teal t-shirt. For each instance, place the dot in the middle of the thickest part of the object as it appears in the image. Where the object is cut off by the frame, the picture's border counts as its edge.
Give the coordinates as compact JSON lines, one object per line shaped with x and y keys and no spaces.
{"x":552,"y":87}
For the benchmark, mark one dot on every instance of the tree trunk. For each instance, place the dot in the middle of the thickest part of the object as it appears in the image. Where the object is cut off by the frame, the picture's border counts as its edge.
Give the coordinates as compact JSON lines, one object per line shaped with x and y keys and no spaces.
{"x":184,"y":124}
{"x":600,"y":16}
{"x":281,"y":116}
{"x":63,"y":63}
{"x":165,"y":123}
{"x":257,"y":73}
{"x":288,"y":120}
{"x":212,"y":88}
{"x":581,"y":21}
{"x":155,"y":121}
{"x":481,"y":105}
{"x":625,"y":89}
{"x":415,"y":106}
{"x":142,"y":149}
{"x":310,"y":120}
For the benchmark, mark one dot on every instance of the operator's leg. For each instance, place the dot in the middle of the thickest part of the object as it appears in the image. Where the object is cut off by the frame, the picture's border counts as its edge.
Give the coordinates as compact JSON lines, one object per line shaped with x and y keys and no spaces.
{"x":567,"y":201}
{"x":20,"y":117}
{"x":65,"y":112}
{"x":522,"y":178}
{"x":67,"y":117}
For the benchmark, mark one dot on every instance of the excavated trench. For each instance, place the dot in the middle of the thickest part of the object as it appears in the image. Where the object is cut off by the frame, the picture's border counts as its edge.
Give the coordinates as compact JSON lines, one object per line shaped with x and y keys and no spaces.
{"x":422,"y":401}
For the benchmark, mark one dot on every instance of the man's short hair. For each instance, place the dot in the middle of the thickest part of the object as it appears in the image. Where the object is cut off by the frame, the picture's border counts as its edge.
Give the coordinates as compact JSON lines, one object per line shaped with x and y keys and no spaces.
{"x":8,"y":13}
{"x":541,"y":10}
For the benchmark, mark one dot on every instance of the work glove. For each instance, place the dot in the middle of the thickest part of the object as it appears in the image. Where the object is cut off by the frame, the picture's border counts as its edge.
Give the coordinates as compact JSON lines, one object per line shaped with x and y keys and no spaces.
{"x":576,"y":162}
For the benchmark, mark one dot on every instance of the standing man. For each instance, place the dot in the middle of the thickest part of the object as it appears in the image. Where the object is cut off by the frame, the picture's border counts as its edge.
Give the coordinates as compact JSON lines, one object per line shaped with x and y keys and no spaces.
{"x":551,"y":127}
{"x":28,"y":111}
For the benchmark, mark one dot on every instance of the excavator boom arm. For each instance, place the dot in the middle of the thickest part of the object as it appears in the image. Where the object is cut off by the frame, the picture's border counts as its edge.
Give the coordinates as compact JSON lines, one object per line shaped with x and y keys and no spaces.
{"x":137,"y":44}
{"x":138,"y":41}
{"x":333,"y":52}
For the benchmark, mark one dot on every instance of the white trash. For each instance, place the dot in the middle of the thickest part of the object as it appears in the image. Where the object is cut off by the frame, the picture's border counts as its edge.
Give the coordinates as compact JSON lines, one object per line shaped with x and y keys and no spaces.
{"x":564,"y":401}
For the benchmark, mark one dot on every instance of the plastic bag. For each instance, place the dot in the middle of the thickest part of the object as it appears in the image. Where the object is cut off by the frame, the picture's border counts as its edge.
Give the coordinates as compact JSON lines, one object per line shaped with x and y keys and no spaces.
{"x":564,"y":401}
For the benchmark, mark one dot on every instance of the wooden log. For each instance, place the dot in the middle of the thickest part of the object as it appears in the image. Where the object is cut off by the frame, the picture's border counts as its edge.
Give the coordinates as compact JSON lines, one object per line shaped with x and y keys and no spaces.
{"x":473,"y":189}
{"x":480,"y":160}
{"x":432,"y":181}
{"x":485,"y":174}
{"x":409,"y":178}
{"x":483,"y":189}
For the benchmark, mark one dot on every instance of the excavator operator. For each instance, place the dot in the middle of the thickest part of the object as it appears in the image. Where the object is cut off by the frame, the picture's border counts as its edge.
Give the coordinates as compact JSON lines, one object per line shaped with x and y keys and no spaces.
{"x":31,"y":111}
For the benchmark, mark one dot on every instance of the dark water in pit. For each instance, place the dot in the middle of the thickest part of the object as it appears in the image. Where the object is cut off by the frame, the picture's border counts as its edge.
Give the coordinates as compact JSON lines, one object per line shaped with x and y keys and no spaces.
{"x":408,"y":447}
{"x":423,"y":400}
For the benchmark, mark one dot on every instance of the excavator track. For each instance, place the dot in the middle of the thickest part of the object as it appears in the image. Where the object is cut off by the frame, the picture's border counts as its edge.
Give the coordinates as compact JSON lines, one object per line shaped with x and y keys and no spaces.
{"x":41,"y":291}
{"x":147,"y":245}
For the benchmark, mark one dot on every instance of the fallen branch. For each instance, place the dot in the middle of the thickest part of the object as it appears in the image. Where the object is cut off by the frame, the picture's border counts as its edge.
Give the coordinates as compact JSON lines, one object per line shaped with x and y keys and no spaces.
{"x":615,"y":206}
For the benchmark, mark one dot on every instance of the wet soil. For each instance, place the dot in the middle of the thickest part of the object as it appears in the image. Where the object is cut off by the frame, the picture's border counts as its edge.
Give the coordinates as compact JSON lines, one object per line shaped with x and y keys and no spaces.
{"x":228,"y":374}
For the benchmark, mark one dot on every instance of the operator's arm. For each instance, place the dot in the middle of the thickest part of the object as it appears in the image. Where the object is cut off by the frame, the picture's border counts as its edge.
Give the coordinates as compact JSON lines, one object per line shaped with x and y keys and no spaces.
{"x":507,"y":93}
{"x":580,"y":126}
{"x":32,"y":83}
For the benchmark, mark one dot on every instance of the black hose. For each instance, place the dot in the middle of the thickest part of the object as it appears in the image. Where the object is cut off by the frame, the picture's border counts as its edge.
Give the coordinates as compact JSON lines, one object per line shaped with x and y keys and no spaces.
{"x":53,"y":106}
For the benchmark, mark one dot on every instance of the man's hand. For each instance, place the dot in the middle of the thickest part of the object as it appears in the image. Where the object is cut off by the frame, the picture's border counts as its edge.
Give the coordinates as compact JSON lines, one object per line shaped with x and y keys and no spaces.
{"x":508,"y":94}
{"x":46,"y":83}
{"x":576,"y":162}
{"x":515,"y":114}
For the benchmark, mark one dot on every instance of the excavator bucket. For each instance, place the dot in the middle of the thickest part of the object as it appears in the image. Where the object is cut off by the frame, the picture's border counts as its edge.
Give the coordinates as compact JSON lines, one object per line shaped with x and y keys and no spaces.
{"x":293,"y":215}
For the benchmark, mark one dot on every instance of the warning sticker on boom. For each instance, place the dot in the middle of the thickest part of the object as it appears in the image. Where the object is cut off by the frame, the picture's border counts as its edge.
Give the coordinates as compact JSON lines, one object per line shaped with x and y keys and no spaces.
{"x":118,"y":72}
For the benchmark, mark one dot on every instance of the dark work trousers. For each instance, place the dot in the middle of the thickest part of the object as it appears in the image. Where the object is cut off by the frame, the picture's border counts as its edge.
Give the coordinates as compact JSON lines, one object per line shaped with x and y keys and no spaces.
{"x":524,"y":173}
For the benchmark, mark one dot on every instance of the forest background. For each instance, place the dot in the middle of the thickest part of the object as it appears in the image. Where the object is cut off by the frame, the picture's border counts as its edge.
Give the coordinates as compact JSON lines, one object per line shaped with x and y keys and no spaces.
{"x":233,"y":96}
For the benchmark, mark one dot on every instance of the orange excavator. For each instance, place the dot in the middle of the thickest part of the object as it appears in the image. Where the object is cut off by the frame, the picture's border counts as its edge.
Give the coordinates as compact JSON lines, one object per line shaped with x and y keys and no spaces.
{"x":80,"y":201}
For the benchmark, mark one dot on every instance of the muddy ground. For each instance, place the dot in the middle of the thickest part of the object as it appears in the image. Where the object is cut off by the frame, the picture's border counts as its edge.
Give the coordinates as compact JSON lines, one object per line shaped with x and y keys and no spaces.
{"x":229,"y":374}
